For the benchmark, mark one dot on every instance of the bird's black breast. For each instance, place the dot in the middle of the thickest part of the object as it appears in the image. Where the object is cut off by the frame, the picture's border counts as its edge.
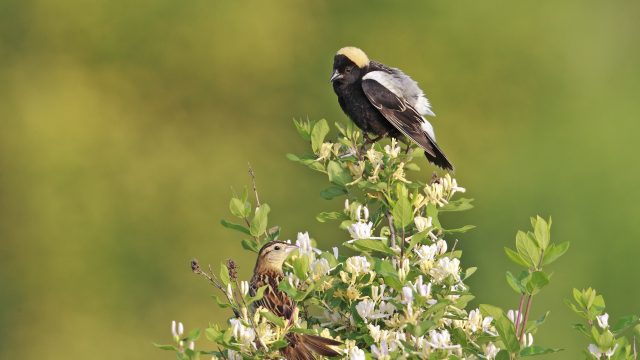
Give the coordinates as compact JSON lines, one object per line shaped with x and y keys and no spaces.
{"x":359,"y":109}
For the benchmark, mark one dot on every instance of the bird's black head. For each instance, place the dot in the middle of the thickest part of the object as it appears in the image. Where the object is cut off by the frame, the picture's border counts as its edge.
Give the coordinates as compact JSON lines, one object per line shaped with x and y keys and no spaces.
{"x":349,"y":65}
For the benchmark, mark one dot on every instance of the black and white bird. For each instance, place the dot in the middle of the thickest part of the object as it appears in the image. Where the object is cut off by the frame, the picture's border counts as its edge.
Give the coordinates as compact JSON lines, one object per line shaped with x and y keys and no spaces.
{"x":384,"y":101}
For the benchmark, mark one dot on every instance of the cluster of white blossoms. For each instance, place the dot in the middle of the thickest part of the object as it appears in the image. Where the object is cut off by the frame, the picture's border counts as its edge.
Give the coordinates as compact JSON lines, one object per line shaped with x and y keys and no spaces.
{"x":362,"y":227}
{"x":595,"y":350}
{"x":439,"y":192}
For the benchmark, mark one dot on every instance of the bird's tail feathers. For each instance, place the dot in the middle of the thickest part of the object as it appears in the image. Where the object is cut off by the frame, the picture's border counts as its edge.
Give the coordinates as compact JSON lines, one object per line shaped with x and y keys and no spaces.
{"x":303,"y":346}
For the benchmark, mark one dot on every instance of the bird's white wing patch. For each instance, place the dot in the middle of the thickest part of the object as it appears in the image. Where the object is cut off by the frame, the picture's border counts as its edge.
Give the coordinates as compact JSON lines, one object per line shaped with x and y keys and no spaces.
{"x":428,"y":128}
{"x":387,"y":80}
{"x":404,"y":87}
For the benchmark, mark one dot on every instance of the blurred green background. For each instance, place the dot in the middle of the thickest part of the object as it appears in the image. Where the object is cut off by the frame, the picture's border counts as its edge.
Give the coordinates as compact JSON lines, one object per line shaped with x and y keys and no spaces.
{"x":125,"y":125}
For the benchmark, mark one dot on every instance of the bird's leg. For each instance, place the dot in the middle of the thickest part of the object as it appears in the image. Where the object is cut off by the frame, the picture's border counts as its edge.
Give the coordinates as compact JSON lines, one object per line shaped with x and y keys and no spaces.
{"x":408,"y":143}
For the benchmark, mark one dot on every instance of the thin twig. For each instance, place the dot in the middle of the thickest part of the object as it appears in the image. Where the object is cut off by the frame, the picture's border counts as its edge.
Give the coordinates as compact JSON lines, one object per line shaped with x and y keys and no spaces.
{"x":253,"y":180}
{"x":517,"y":319}
{"x":526,"y":317}
{"x":402,"y":246}
{"x":391,"y":228}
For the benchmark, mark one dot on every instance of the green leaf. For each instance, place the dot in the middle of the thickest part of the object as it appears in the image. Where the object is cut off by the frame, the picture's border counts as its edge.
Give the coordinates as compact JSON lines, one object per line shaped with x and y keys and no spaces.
{"x":250,"y":245}
{"x":303,"y":127}
{"x":527,"y":249}
{"x":624,"y":323}
{"x":470,"y":271}
{"x":193,"y":335}
{"x":537,"y":350}
{"x":320,"y":130}
{"x":463,"y":229}
{"x":332,"y":192}
{"x":504,"y":326}
{"x":275,"y":319}
{"x":515,"y":283}
{"x":239,"y":208}
{"x":541,"y":230}
{"x":301,"y":267}
{"x":536,"y":282}
{"x":224,"y":274}
{"x":233,"y":226}
{"x":212,"y":334}
{"x":554,"y":251}
{"x":259,"y":221}
{"x":458,"y":205}
{"x":165,"y":347}
{"x":373,"y":245}
{"x":402,"y":213}
{"x":337,"y":174}
{"x":515,"y":257}
{"x":258,"y":296}
{"x":333,"y":215}
{"x":503,"y":355}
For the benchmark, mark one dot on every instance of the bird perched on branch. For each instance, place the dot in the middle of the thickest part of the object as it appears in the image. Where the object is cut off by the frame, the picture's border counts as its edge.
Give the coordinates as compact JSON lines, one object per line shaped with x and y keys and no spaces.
{"x":384,"y":101}
{"x":268,"y":271}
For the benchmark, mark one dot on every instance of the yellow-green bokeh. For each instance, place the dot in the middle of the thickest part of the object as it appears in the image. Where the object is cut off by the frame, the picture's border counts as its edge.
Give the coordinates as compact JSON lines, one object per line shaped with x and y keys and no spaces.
{"x":126,"y":125}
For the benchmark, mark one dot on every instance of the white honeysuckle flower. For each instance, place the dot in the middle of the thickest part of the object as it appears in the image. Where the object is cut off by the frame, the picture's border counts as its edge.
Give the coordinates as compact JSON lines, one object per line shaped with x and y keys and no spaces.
{"x":293,"y":280}
{"x":374,"y":157}
{"x":244,"y":335}
{"x":335,"y":252}
{"x":597,"y":352}
{"x":325,"y":151}
{"x":357,"y":265}
{"x":476,"y":323}
{"x":382,"y":352}
{"x":422,"y":223}
{"x":444,"y":268}
{"x":490,"y":351}
{"x":180,"y":329}
{"x":229,"y":291}
{"x":441,"y":246}
{"x":320,"y":267}
{"x":513,"y":316}
{"x":422,"y":289}
{"x":441,"y":340}
{"x":426,"y":252}
{"x":451,"y":185}
{"x":374,"y":332}
{"x":603,"y":320}
{"x":303,"y":241}
{"x":385,"y":309}
{"x":356,"y":354}
{"x":244,"y":288}
{"x":400,"y":175}
{"x":407,"y":295}
{"x":365,"y":309}
{"x":233,"y":355}
{"x":192,"y":346}
{"x":360,"y":230}
{"x":527,"y":340}
{"x":173,"y":330}
{"x":346,"y":204}
{"x":392,"y":150}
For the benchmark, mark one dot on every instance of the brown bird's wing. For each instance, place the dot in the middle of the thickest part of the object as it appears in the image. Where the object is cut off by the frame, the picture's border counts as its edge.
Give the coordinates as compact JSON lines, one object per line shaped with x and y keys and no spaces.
{"x":303,"y":347}
{"x":405,"y":118}
{"x":321,"y":345}
{"x":274,"y":300}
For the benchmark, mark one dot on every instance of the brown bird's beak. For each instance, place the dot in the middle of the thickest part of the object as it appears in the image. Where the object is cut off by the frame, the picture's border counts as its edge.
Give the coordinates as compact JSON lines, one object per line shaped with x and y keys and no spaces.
{"x":336,"y":75}
{"x":290,"y":248}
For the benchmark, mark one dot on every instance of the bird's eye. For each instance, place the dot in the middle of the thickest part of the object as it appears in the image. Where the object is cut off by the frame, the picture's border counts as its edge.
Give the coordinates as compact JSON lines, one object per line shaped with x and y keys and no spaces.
{"x":348,"y":69}
{"x":277,"y":248}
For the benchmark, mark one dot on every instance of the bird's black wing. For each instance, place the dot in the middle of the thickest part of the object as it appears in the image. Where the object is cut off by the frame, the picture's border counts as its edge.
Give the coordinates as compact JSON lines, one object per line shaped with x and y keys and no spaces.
{"x":404,"y":118}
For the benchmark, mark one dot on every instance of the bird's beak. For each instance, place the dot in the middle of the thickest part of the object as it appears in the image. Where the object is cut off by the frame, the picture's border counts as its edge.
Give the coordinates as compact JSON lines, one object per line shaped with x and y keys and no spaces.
{"x":290,"y":248}
{"x":336,"y":75}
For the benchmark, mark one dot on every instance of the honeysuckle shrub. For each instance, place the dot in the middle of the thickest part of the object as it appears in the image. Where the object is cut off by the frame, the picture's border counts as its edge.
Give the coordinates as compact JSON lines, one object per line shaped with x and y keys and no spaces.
{"x":396,"y":287}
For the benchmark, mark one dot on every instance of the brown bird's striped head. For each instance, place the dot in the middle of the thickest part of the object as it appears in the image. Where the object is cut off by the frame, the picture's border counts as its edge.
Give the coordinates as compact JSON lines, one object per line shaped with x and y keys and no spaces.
{"x":272,"y":255}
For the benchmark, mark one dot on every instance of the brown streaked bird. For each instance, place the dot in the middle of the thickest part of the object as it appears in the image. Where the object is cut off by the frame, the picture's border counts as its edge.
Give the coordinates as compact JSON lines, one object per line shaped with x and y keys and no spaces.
{"x":268,"y":271}
{"x":384,"y":101}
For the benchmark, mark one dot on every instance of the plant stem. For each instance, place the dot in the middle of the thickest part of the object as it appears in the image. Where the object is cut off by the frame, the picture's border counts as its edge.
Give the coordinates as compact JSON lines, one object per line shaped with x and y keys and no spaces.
{"x":391,"y":228}
{"x":253,"y":180}
{"x":517,"y":319}
{"x":526,"y":317}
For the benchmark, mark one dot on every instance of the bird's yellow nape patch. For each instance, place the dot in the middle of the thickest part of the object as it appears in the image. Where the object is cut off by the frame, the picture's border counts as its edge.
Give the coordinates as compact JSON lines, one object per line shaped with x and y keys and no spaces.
{"x":356,"y":55}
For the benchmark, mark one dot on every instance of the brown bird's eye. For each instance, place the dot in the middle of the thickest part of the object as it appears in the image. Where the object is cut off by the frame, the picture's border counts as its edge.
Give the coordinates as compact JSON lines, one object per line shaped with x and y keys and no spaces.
{"x":348,"y":69}
{"x":277,"y":248}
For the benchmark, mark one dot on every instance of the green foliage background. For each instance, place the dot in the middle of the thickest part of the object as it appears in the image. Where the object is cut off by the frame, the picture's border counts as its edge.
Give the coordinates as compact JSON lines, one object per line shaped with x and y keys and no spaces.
{"x":125,"y":125}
